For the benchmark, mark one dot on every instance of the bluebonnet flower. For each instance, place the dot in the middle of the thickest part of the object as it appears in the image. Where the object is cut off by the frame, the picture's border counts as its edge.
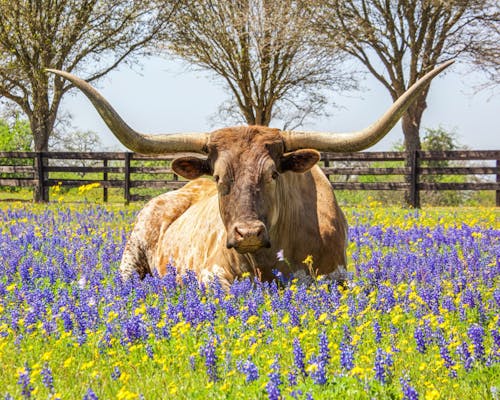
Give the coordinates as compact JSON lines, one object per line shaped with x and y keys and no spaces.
{"x":292,"y":378}
{"x":90,"y":395}
{"x":294,"y":315}
{"x":465,"y":356}
{"x":383,"y":363}
{"x":116,"y":373}
{"x":377,"y":331}
{"x":25,"y":382}
{"x":298,"y":357}
{"x":134,"y":328}
{"x":324,"y":349}
{"x":192,"y":362}
{"x":272,"y":386}
{"x":149,"y":351}
{"x":445,"y":354}
{"x":249,"y":369}
{"x":476,"y":334}
{"x":321,"y":361}
{"x":273,"y":391}
{"x":409,"y":393}
{"x":346,"y":351}
{"x":495,"y":349}
{"x":209,"y":352}
{"x":420,"y":339}
{"x":47,"y":378}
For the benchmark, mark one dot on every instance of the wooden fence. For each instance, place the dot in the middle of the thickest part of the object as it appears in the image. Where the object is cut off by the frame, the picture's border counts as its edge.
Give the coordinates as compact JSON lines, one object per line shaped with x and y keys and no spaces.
{"x":392,"y":171}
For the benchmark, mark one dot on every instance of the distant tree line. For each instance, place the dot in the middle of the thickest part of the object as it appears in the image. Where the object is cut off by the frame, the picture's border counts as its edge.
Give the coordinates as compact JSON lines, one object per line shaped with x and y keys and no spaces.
{"x":280,"y":61}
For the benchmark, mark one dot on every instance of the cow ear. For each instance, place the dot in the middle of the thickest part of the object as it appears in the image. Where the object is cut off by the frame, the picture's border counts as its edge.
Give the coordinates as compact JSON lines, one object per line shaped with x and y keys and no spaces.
{"x":299,"y":160}
{"x":191,"y":167}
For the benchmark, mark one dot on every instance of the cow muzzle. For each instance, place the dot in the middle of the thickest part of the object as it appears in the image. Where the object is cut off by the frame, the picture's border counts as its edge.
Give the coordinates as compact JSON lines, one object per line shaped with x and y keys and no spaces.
{"x":247,"y":237}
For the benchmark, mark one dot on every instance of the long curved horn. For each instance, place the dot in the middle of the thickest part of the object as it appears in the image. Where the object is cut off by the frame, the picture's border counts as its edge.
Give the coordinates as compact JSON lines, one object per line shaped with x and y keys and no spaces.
{"x":356,"y":141}
{"x":135,"y":141}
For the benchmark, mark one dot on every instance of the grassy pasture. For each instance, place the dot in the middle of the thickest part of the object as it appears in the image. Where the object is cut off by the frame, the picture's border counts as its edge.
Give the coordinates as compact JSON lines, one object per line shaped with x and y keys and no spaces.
{"x":420,"y":318}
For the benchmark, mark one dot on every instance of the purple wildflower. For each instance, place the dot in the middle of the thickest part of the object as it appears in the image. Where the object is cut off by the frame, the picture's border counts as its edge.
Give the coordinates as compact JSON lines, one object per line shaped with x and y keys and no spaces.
{"x":377,"y":331}
{"x":419,"y":336}
{"x":495,"y":349}
{"x":134,"y":329}
{"x":298,"y":357}
{"x":383,"y":363}
{"x":292,"y":378}
{"x":208,"y":351}
{"x":324,"y":350}
{"x":476,"y":334}
{"x":465,"y":356}
{"x":409,"y":393}
{"x":192,"y":362}
{"x":272,"y":386}
{"x":25,"y":382}
{"x":47,"y":378}
{"x":346,"y":355}
{"x":90,"y":395}
{"x":116,"y":373}
{"x":321,"y":361}
{"x":150,"y":351}
{"x":249,"y":369}
{"x":445,"y":355}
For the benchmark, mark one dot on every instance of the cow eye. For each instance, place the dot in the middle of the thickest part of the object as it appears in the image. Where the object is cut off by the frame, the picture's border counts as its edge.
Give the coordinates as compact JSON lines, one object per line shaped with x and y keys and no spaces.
{"x":216,"y":178}
{"x":223,"y":188}
{"x":275,"y":175}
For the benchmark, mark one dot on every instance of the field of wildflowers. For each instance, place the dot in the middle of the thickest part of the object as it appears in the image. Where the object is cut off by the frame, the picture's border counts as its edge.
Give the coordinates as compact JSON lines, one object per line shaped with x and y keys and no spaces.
{"x":419,"y":320}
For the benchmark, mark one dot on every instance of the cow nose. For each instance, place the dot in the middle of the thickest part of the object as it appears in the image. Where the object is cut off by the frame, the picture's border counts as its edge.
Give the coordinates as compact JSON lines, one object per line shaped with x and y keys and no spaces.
{"x":243,"y":232}
{"x":250,"y":236}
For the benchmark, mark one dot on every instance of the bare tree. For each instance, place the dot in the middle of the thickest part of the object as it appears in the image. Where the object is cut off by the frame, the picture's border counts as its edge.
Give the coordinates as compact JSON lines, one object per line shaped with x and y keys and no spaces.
{"x":398,"y":41}
{"x":88,"y":37}
{"x":485,"y":51}
{"x":265,"y":53}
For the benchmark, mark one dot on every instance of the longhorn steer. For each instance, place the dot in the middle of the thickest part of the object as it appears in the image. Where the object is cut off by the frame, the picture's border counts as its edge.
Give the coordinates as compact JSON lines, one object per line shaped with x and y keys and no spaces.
{"x":267,"y":194}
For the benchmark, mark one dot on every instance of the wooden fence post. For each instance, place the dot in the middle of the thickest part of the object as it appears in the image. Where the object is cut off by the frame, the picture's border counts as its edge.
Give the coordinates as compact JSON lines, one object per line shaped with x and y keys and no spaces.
{"x":414,"y":194}
{"x":41,"y":195}
{"x":126,"y":178}
{"x":498,"y":181}
{"x":326,"y":163}
{"x":105,"y":178}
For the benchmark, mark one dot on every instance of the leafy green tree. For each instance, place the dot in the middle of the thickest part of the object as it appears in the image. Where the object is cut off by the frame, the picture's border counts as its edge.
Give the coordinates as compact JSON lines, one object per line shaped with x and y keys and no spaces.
{"x":15,"y":136}
{"x":87,"y":37}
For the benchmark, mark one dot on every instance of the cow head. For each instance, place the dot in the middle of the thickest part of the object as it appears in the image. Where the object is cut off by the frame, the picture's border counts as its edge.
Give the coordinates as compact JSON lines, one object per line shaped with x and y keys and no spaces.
{"x":246,"y":164}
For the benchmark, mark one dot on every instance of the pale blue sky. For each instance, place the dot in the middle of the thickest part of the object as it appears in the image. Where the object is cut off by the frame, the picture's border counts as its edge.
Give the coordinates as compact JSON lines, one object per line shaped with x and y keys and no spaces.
{"x":164,"y":98}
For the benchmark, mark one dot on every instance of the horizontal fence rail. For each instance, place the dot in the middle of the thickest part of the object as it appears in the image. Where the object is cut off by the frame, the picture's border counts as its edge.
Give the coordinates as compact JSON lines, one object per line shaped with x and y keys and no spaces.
{"x":412,"y":173}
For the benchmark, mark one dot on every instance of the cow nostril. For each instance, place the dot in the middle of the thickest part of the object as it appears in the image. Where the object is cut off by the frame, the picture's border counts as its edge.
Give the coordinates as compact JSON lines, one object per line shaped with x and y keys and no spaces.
{"x":239,"y":232}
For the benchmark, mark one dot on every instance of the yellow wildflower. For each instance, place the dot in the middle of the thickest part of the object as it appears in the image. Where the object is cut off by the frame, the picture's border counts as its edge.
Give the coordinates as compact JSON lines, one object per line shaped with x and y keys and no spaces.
{"x":432,"y":395}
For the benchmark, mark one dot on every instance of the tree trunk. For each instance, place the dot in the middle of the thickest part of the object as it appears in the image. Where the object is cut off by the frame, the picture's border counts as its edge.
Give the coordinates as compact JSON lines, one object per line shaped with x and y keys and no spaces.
{"x":41,"y":127}
{"x":411,"y":130}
